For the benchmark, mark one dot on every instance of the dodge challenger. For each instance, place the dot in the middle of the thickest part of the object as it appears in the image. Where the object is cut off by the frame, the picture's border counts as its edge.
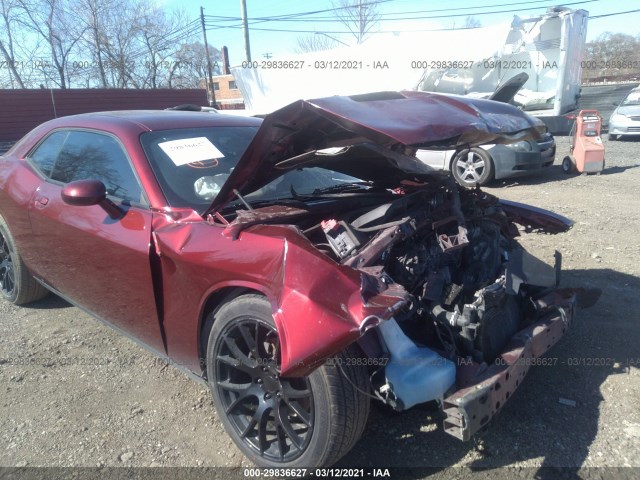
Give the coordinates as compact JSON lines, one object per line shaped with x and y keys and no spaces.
{"x":302,"y":265}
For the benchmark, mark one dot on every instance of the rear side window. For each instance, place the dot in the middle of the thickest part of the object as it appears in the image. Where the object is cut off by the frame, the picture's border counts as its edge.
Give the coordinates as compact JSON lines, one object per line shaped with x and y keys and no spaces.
{"x":46,"y":153}
{"x":89,"y":155}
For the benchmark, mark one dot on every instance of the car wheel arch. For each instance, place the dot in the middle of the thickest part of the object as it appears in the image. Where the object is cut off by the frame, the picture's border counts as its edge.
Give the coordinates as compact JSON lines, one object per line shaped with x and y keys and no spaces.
{"x":215,"y":299}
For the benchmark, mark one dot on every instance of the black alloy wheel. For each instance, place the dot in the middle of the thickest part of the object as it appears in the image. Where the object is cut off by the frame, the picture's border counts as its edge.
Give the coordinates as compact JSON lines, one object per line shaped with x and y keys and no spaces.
{"x":273,"y":415}
{"x":281,"y":422}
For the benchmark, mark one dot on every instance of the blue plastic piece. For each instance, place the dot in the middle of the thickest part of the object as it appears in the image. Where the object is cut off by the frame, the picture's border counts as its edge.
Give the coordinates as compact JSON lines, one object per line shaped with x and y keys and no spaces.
{"x":415,"y":374}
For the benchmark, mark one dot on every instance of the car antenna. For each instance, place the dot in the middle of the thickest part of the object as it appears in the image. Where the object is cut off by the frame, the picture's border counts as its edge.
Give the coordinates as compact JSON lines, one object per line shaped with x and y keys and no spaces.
{"x":242,"y":199}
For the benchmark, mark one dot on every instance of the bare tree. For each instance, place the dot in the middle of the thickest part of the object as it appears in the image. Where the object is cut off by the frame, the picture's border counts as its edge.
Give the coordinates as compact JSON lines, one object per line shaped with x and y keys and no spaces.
{"x":314,"y":43}
{"x":158,"y":38}
{"x":106,"y":43}
{"x":359,"y":16}
{"x":471,"y":22}
{"x":9,"y":13}
{"x":94,"y":14}
{"x":190,"y":66}
{"x":50,"y":20}
{"x":611,"y":55}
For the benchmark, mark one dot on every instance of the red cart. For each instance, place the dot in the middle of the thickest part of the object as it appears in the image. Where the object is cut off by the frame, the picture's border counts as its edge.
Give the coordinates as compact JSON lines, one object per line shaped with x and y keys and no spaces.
{"x":586,"y":153}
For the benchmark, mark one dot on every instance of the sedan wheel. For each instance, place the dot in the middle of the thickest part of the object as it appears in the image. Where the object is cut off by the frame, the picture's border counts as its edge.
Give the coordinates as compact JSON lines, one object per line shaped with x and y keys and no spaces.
{"x":278,"y":421}
{"x":472,"y":167}
{"x":16,"y":283}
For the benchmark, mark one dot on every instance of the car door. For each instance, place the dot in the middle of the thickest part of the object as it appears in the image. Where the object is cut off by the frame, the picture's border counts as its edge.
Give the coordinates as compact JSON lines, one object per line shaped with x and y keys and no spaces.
{"x":98,"y":262}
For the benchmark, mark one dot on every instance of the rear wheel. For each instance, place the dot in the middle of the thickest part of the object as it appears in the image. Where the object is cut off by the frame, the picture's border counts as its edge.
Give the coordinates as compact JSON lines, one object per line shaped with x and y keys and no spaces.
{"x":472,"y":167}
{"x":16,"y":283}
{"x":277,"y":421}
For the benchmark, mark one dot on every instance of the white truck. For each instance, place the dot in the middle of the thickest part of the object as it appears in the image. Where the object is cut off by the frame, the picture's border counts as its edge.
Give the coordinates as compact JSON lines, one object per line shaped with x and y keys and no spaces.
{"x":549,"y":48}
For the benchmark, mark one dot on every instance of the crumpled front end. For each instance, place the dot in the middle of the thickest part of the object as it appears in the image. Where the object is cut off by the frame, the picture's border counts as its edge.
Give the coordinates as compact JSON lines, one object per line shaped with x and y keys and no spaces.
{"x":428,"y":279}
{"x":482,"y":390}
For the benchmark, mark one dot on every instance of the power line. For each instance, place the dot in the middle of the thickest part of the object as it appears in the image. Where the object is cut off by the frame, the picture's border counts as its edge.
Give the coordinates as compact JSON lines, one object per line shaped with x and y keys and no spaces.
{"x":612,"y":14}
{"x":217,"y":26}
{"x":386,"y":16}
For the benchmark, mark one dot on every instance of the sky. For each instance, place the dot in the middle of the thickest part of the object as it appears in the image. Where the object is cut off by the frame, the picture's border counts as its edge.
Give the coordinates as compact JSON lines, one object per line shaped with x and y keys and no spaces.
{"x":413,"y":15}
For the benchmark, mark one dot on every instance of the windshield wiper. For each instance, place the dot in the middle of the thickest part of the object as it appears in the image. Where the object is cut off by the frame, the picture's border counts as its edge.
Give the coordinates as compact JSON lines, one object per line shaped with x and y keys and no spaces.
{"x":252,"y":204}
{"x":342,"y":188}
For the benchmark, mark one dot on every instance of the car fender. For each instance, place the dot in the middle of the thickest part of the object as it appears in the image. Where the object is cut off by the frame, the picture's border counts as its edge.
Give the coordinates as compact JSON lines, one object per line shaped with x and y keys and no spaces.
{"x":319,"y":306}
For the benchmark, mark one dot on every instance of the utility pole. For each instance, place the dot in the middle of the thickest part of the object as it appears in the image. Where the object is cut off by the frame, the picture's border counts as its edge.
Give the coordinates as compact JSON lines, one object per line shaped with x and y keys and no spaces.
{"x":211,"y":96}
{"x":245,"y":29}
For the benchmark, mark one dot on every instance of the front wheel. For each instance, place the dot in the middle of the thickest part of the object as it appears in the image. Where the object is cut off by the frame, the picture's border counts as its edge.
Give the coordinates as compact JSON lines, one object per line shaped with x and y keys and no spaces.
{"x":472,"y":167}
{"x":276,"y":421}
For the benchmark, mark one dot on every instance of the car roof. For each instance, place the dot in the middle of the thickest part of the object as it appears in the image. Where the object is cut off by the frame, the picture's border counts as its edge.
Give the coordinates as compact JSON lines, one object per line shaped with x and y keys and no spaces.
{"x":151,"y":120}
{"x":130,"y":124}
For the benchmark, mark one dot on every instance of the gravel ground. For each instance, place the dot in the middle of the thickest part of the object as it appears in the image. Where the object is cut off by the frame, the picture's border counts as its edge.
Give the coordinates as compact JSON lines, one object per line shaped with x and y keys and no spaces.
{"x":80,"y":395}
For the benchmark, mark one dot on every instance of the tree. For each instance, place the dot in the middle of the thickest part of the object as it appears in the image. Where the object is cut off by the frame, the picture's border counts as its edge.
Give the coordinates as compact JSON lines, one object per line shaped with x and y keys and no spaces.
{"x":94,"y":14}
{"x":611,"y":55}
{"x":105,"y":43}
{"x":359,"y":16}
{"x":190,"y":65}
{"x":471,"y":22}
{"x":51,"y":21}
{"x":314,"y":43}
{"x":9,"y":15}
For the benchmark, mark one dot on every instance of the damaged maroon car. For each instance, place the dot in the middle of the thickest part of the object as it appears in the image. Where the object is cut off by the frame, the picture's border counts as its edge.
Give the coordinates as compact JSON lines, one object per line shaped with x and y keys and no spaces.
{"x":301,"y":265}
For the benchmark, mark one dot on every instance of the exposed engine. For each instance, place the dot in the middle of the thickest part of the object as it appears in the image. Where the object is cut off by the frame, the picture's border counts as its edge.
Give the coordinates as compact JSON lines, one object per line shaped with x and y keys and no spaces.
{"x":450,"y":249}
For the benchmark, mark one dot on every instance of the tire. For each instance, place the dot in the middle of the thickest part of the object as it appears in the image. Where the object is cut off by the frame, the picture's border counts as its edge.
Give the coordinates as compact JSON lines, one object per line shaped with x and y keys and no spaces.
{"x":325,"y":412}
{"x":472,"y":167}
{"x":17,"y":285}
{"x":567,"y":165}
{"x":612,"y":137}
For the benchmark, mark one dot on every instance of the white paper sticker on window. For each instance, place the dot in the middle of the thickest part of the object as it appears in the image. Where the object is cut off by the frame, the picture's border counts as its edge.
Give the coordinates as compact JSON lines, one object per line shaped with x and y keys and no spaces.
{"x":190,"y":150}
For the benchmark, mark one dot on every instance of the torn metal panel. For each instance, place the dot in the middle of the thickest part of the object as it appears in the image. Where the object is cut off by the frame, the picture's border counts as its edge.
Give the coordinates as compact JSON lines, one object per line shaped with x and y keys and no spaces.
{"x":319,"y":306}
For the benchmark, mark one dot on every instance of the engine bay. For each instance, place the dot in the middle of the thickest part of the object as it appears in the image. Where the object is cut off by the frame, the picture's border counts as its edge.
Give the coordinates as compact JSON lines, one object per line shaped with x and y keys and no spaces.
{"x":453,"y":251}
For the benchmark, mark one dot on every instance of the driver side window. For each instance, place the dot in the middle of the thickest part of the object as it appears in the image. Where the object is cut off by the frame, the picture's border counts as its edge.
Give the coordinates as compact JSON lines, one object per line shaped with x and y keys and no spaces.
{"x":80,"y":155}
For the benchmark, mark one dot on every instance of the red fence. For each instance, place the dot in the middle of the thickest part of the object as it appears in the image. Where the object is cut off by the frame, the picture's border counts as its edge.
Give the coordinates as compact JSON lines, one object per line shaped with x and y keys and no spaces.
{"x":22,"y":110}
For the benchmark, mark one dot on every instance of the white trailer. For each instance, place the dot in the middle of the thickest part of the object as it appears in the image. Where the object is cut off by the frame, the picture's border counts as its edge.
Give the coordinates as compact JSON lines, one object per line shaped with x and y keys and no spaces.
{"x":549,"y":48}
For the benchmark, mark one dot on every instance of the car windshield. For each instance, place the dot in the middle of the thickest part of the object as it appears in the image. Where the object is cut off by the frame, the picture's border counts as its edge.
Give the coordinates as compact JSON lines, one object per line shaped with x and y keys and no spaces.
{"x":632,"y":99}
{"x":192,"y":164}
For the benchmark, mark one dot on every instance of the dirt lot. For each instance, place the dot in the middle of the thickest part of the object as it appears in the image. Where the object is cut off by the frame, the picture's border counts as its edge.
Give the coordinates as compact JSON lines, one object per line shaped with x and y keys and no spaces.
{"x":78,"y":394}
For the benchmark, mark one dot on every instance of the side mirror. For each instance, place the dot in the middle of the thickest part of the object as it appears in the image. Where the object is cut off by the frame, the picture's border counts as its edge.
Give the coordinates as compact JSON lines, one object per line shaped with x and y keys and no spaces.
{"x":83,"y":193}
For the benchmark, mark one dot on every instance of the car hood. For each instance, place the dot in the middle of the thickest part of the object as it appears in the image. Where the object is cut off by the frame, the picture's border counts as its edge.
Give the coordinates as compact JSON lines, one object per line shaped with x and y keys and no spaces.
{"x":627,"y":110}
{"x":372,"y":137}
{"x":508,"y":90}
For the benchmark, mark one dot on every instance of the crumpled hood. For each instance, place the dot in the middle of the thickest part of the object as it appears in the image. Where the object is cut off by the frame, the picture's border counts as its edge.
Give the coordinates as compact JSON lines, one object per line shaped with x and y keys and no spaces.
{"x":390,"y":124}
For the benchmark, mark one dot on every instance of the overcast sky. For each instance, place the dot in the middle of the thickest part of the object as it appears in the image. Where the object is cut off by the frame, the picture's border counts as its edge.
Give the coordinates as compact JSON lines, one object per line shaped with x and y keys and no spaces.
{"x":412,"y":14}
